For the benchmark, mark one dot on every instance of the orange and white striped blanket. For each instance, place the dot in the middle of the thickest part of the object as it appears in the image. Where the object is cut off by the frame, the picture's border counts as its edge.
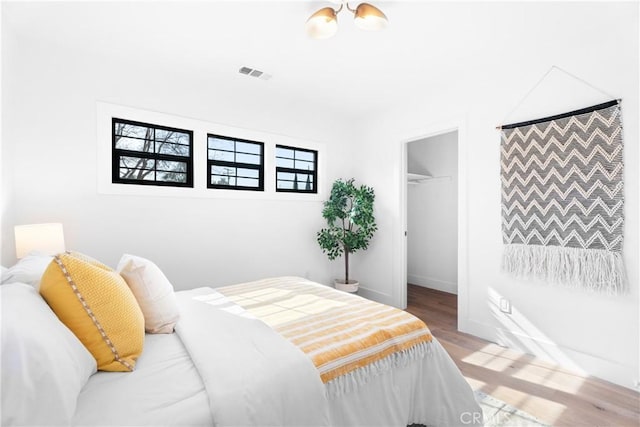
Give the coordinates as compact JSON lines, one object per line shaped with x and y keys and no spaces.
{"x":338,"y":331}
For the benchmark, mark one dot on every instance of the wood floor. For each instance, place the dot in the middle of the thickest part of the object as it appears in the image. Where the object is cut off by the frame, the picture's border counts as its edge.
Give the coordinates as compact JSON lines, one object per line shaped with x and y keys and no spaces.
{"x":554,"y":395}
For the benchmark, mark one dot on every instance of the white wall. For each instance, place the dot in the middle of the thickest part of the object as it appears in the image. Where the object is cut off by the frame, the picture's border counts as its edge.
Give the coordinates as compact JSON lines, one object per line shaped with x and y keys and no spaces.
{"x":49,"y":105}
{"x":595,"y":333}
{"x":432,"y":213}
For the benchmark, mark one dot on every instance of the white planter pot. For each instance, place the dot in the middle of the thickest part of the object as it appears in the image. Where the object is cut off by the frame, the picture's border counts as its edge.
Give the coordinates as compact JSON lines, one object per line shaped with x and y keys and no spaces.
{"x":352,"y":286}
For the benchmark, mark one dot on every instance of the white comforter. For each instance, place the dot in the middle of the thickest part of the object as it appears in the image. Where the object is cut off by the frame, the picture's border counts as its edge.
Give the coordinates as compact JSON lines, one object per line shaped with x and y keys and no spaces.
{"x":164,"y":390}
{"x":263,"y":381}
{"x":253,"y":376}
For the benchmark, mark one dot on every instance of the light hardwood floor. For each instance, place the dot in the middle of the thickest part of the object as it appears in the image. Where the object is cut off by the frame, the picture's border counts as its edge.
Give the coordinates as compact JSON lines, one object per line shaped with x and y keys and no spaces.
{"x":554,"y":395}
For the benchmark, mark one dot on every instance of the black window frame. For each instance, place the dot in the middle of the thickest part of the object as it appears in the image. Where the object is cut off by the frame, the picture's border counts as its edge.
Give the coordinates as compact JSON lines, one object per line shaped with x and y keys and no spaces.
{"x":313,"y":173}
{"x":235,"y":164}
{"x":116,"y":153}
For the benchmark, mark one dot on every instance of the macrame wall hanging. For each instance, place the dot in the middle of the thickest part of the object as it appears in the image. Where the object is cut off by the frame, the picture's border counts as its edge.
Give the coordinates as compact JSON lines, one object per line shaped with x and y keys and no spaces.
{"x":562,"y":198}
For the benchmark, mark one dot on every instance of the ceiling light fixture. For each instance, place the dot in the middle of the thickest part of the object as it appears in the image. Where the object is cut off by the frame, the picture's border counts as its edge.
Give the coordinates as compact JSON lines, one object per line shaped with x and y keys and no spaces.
{"x":324,"y":23}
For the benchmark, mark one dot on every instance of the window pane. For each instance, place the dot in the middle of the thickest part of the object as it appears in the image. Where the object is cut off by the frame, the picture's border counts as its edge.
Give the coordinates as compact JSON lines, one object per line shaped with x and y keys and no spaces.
{"x":284,"y":163}
{"x":248,"y":173}
{"x":123,"y":143}
{"x":304,"y":165}
{"x":223,"y":170}
{"x":164,"y":165}
{"x":285,"y":185}
{"x":248,"y":182}
{"x":137,"y":174}
{"x":172,"y":136}
{"x":171,"y":177}
{"x":220,"y":144}
{"x":167,"y":157}
{"x":304,"y":155}
{"x":163,"y":135}
{"x":173,"y":149}
{"x":305,"y":182}
{"x":297,"y":160}
{"x":247,"y":147}
{"x":284,"y":152}
{"x":223,"y":180}
{"x":232,"y":162}
{"x":133,"y":130}
{"x":251,"y":159}
{"x":285,"y":176}
{"x":223,"y":156}
{"x":136,"y":163}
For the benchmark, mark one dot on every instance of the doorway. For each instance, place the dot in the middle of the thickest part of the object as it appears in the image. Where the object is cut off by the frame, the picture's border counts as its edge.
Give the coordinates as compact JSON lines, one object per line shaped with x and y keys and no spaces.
{"x":432,"y":213}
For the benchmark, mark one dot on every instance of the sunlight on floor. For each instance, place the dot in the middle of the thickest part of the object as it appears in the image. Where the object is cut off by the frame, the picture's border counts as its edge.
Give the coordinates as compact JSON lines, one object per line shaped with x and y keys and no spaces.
{"x":529,"y":403}
{"x":488,"y":360}
{"x":507,"y":361}
{"x":551,"y":378}
{"x":544,"y":389}
{"x":547,"y":377}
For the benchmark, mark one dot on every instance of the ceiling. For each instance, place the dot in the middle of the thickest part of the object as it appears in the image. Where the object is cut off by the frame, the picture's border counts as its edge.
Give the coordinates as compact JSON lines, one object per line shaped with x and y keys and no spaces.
{"x":428,"y":49}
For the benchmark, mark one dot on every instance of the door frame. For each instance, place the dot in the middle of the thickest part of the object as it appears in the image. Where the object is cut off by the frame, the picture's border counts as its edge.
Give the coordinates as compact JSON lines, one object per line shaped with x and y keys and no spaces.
{"x":434,"y":129}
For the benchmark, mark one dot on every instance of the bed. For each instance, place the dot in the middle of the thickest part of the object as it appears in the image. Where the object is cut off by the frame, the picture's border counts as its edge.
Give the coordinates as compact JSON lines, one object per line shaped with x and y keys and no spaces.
{"x":268,"y":352}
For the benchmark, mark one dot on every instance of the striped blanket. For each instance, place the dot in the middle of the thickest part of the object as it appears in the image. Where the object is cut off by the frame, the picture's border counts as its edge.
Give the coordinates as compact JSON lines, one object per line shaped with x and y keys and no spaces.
{"x":339,"y":332}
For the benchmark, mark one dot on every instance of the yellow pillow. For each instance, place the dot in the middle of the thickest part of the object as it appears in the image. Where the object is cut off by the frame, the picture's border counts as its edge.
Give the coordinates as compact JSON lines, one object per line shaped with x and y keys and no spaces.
{"x":97,"y":305}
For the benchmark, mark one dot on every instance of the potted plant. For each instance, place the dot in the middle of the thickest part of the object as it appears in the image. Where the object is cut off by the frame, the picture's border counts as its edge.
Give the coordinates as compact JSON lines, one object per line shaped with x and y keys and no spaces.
{"x":351,"y":224}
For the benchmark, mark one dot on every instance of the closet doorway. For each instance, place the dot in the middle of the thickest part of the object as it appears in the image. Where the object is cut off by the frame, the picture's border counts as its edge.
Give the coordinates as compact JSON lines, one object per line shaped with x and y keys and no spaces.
{"x":432,"y":214}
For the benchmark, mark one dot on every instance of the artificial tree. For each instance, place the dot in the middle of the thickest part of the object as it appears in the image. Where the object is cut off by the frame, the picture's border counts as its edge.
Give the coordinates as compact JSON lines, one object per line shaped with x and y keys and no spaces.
{"x":350,"y":219}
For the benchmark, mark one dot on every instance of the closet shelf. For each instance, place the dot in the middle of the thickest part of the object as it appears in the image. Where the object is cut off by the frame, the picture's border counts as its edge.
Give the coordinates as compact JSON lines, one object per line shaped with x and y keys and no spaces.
{"x":417,"y":178}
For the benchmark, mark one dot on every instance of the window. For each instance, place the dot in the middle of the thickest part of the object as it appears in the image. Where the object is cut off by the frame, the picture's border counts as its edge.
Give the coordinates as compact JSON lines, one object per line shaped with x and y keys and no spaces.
{"x":234,"y":163}
{"x":150,"y":154}
{"x":296,"y":170}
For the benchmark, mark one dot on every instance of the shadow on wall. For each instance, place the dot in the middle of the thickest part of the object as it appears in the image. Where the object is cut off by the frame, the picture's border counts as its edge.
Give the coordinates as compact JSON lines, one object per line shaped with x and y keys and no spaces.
{"x":517,"y":331}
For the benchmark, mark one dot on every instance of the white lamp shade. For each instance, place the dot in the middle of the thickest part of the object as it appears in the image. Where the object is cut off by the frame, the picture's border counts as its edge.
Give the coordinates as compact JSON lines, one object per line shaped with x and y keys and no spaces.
{"x":370,"y":18}
{"x":43,"y":238}
{"x":322,"y":24}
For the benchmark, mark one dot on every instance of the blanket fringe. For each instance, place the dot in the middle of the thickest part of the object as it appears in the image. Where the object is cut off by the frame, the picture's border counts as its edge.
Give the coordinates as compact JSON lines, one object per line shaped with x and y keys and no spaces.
{"x":353,"y":380}
{"x":596,"y":270}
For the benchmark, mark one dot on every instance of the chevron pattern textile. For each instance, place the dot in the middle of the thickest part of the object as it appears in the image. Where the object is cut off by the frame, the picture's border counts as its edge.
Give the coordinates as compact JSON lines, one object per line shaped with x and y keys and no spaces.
{"x":562,"y":199}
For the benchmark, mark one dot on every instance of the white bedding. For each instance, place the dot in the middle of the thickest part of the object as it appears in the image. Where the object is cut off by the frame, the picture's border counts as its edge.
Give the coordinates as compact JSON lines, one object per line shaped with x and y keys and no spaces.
{"x":253,"y":376}
{"x":430,"y":391}
{"x":166,"y":388}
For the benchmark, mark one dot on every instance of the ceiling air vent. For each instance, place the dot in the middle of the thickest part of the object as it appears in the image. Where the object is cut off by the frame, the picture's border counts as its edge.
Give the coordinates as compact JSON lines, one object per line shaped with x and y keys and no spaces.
{"x":254,"y":73}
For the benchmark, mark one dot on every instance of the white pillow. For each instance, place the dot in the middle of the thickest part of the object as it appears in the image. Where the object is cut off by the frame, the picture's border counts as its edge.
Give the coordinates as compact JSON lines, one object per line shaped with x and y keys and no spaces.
{"x":44,"y":365}
{"x":153,"y":291}
{"x":28,"y":270}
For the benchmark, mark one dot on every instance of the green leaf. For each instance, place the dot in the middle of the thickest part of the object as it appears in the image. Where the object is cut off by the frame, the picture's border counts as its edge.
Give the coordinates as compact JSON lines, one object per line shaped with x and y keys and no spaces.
{"x":350,"y":219}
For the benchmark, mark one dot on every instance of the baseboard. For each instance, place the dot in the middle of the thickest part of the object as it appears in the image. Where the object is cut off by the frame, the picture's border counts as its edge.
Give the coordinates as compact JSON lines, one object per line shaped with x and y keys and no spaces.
{"x":375,"y":295}
{"x":430,"y":282}
{"x":577,"y":361}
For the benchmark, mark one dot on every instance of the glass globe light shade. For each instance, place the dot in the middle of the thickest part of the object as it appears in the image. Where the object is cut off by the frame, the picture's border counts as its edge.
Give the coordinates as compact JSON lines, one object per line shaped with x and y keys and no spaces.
{"x":322,"y":24}
{"x":370,"y":18}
